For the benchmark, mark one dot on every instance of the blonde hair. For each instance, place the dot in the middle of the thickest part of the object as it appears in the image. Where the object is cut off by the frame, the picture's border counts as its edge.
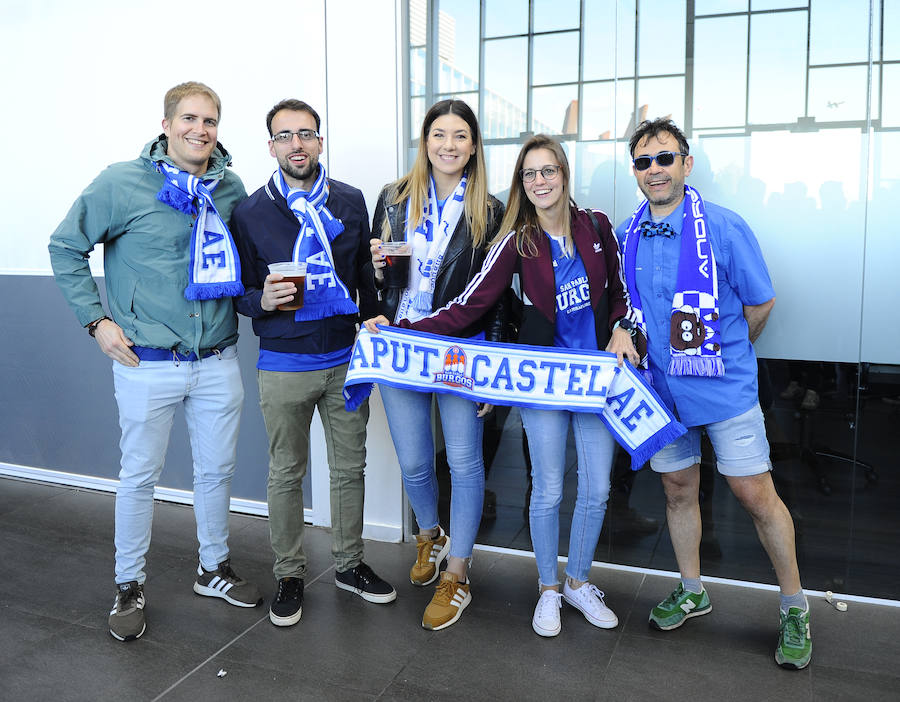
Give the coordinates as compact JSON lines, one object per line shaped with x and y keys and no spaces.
{"x":521,"y":215}
{"x":414,"y":185}
{"x":183,"y":90}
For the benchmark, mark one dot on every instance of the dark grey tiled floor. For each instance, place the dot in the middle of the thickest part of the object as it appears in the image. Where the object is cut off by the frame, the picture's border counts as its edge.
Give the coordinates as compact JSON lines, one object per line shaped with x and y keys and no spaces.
{"x":55,"y":590}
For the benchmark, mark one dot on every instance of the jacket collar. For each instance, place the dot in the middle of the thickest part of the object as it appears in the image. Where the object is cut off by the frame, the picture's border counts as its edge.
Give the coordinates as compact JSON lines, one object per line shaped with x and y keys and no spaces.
{"x":220,"y":159}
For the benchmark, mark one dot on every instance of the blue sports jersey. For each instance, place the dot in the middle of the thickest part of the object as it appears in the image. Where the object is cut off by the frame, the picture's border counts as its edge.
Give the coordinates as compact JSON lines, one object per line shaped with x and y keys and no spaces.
{"x":574,"y":317}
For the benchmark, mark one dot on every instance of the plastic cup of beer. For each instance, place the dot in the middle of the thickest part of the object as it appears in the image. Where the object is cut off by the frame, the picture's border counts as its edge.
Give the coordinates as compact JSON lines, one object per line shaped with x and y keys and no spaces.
{"x":293,"y":272}
{"x":396,"y":258}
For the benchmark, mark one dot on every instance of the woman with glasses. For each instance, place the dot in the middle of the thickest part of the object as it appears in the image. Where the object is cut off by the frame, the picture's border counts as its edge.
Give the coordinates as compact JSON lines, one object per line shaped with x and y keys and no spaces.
{"x":575,"y":297}
{"x":434,"y":225}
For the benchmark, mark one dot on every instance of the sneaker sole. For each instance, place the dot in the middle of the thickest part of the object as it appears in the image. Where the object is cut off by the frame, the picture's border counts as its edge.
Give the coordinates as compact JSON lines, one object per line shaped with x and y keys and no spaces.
{"x":695,"y":613}
{"x":601,"y":623}
{"x":285,"y":621}
{"x":131,"y":637}
{"x":791,"y":665}
{"x":367,"y":596}
{"x":212,"y":592}
{"x":441,"y":557}
{"x":459,"y":611}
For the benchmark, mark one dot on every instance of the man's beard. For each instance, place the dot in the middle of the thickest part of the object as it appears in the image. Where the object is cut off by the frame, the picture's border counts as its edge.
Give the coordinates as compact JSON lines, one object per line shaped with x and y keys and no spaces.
{"x":301,"y":173}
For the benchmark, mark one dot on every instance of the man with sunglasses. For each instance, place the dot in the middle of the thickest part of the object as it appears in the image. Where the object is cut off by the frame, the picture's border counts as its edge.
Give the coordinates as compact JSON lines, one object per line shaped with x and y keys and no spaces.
{"x":701,"y":294}
{"x":170,"y":270}
{"x":300,"y":215}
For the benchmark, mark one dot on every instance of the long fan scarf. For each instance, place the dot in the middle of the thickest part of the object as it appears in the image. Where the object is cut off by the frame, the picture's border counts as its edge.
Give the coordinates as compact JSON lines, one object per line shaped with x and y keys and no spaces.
{"x":517,"y":375}
{"x":326,"y":295}
{"x":429,"y":244}
{"x":215,"y":269}
{"x":694,"y":338}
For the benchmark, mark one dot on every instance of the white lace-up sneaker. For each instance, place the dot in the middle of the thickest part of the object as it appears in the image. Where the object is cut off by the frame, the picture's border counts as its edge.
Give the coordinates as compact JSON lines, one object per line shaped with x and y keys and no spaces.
{"x":589,"y":601}
{"x":545,"y":621}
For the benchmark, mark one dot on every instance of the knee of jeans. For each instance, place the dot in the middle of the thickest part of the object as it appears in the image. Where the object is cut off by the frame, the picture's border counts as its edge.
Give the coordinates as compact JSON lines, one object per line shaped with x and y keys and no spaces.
{"x":544,"y":498}
{"x":419,"y":473}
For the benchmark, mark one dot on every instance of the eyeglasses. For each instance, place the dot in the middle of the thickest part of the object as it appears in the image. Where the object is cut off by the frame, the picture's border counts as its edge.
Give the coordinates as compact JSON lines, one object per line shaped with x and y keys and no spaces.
{"x":663,"y":158}
{"x":529,"y":174}
{"x":304,"y":134}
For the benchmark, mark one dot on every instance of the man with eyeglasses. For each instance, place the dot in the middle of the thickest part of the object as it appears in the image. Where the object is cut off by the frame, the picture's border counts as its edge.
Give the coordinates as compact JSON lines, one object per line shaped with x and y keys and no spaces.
{"x":305,"y":340}
{"x":171,"y":270}
{"x":701,"y":294}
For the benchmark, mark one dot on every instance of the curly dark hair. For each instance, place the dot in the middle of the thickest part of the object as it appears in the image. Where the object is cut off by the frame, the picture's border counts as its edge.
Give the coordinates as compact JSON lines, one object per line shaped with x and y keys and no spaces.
{"x":651,"y":128}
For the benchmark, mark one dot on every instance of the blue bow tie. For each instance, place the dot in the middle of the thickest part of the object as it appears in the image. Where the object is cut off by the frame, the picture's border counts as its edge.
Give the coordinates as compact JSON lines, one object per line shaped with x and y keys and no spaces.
{"x":649,"y":229}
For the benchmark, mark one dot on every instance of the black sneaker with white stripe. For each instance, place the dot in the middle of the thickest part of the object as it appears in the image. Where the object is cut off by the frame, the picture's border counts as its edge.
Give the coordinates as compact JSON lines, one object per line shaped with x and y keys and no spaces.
{"x":126,"y":619}
{"x":363,"y":581}
{"x":223,"y":582}
{"x":287,"y":605}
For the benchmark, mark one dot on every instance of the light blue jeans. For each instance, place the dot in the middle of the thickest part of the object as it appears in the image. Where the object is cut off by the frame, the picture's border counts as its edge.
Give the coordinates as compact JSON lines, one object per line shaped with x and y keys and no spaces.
{"x":547,"y":431}
{"x":409,"y":417}
{"x":212,"y":395}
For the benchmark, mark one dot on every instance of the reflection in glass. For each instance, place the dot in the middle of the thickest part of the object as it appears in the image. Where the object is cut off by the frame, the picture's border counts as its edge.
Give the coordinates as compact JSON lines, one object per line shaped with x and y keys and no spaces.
{"x":836,"y":35}
{"x":881,"y":313}
{"x":777,"y":4}
{"x":777,"y":67}
{"x":471,"y":99}
{"x":607,"y":109}
{"x":550,"y":15}
{"x":417,"y":109}
{"x":555,"y":58}
{"x":500,"y":160}
{"x":505,"y":17}
{"x":662,"y":97}
{"x":661,"y":38}
{"x":838,"y":93}
{"x":417,"y":71}
{"x":607,"y":24}
{"x":555,"y":110}
{"x":458,"y":45}
{"x":712,"y":7}
{"x":891,"y":31}
{"x":720,"y":70}
{"x":890,"y":99}
{"x":505,"y":87}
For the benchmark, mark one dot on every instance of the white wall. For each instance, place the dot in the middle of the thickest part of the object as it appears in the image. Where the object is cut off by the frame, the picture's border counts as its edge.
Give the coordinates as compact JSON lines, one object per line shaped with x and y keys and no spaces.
{"x":83,"y":85}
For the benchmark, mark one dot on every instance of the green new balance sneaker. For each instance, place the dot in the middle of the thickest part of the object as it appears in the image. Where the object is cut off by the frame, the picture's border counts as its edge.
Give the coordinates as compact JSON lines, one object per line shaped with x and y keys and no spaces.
{"x":794,"y":643}
{"x":680,"y":605}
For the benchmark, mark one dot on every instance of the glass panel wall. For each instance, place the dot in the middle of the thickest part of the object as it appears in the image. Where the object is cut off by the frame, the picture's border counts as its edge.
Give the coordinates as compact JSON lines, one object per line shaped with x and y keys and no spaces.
{"x":792,"y":124}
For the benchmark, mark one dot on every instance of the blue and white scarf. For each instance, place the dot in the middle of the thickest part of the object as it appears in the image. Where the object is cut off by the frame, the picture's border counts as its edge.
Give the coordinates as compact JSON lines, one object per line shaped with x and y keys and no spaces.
{"x":694,"y":335}
{"x":215,"y":269}
{"x":429,"y":244}
{"x":326,"y":295}
{"x":517,"y":375}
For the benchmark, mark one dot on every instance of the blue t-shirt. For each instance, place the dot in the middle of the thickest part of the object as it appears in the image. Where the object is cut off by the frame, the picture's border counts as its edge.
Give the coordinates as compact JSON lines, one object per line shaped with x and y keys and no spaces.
{"x":298,"y":362}
{"x":743,"y":280}
{"x":574,"y":317}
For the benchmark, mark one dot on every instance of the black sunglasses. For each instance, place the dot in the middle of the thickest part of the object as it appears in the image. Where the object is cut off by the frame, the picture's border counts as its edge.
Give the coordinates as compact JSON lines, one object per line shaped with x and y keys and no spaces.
{"x":663,"y":158}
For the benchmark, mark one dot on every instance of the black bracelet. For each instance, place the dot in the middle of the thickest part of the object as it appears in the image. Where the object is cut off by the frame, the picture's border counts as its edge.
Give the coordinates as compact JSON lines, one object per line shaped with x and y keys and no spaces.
{"x":92,"y":327}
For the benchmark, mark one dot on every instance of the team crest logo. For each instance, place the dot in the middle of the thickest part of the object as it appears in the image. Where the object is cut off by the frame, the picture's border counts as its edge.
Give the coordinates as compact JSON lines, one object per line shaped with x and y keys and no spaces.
{"x":454,"y":373}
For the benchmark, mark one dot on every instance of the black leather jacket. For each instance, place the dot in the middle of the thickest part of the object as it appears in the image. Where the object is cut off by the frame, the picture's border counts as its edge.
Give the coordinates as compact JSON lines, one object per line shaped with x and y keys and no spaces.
{"x":461,"y":262}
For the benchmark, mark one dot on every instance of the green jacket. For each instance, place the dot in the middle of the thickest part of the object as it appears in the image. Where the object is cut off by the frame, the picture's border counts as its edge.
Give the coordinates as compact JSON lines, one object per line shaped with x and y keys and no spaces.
{"x":146,"y":255}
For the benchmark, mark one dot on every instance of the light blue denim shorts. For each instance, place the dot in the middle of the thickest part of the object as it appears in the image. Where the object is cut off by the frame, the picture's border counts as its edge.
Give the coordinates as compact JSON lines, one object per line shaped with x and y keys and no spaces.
{"x":740,"y":445}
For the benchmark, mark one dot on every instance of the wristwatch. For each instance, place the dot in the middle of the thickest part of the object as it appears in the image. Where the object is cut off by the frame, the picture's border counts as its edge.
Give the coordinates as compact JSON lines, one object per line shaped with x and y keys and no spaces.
{"x":626,"y":324}
{"x":92,"y":327}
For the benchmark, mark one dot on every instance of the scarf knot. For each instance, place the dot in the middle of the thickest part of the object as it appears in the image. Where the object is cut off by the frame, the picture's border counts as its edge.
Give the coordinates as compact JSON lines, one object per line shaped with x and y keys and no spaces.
{"x":215,"y":268}
{"x":325,"y":295}
{"x":695,"y":344}
{"x":429,"y":244}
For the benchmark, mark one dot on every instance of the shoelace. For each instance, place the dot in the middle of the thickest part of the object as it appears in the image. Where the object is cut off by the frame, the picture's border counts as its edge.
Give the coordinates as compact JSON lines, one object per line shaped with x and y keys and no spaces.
{"x":445,"y":591}
{"x":545,"y":601}
{"x":594,"y":590}
{"x":793,"y":630}
{"x":287,"y":589}
{"x":127,"y":599}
